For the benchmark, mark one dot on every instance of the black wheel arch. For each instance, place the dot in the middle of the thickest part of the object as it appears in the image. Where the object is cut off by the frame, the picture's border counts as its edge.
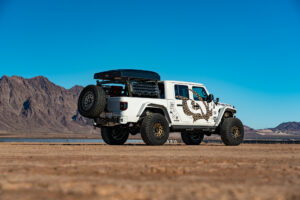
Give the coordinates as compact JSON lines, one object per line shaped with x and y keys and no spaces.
{"x":155,"y":108}
{"x":228,"y":113}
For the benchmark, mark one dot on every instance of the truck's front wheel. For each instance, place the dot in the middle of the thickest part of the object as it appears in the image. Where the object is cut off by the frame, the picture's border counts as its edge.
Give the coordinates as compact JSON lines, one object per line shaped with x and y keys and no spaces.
{"x":192,"y":138}
{"x":232,"y":131}
{"x":116,"y":135}
{"x":155,"y":129}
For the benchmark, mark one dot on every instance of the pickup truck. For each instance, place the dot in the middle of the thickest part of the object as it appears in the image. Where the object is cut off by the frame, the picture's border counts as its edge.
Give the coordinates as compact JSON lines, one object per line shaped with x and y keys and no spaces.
{"x":131,"y":101}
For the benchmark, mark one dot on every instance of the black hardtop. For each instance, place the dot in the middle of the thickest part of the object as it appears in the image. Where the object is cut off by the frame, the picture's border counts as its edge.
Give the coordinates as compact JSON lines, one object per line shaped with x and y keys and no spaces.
{"x":132,"y":74}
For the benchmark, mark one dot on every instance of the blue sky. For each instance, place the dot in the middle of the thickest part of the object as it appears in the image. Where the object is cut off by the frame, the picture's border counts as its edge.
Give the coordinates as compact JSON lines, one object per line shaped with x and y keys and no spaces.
{"x":246,"y":52}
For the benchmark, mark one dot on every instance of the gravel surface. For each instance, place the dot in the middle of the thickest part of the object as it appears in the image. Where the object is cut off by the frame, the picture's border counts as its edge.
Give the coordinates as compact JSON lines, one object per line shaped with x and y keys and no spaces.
{"x":98,"y":171}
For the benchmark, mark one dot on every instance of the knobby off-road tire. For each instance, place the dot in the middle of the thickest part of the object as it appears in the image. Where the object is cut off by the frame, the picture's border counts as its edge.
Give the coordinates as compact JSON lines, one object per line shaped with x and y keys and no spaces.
{"x":232,"y":131}
{"x":116,"y":135}
{"x":192,"y":138}
{"x":91,"y":101}
{"x":155,"y":129}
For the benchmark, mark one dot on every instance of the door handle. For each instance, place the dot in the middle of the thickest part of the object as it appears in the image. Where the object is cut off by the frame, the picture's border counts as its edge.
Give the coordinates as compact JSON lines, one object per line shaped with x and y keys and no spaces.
{"x":179,"y":104}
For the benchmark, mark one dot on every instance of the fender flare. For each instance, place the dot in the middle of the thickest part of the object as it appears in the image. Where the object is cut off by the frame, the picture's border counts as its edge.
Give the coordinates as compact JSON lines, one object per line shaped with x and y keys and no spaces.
{"x":157,"y":106}
{"x":222,"y":112}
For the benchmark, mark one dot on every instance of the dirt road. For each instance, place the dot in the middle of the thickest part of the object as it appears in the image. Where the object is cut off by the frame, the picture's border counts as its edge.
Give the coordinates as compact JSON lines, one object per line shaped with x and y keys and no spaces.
{"x":93,"y":171}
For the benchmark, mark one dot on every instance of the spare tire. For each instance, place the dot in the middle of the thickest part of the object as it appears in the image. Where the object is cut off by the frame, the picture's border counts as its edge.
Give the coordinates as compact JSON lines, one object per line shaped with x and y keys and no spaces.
{"x":91,"y":101}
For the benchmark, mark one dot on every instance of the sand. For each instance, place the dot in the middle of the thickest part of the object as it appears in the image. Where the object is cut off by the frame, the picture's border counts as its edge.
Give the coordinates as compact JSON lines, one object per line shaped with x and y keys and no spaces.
{"x":98,"y":171}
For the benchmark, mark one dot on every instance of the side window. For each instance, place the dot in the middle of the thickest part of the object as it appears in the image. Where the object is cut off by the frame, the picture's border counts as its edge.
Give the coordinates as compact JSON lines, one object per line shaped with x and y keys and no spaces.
{"x":202,"y":93}
{"x":161,"y":87}
{"x":181,"y":90}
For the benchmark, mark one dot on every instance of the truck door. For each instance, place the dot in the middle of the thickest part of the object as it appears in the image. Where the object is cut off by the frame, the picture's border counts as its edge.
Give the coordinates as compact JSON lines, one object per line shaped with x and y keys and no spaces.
{"x":177,"y":113}
{"x":202,"y":109}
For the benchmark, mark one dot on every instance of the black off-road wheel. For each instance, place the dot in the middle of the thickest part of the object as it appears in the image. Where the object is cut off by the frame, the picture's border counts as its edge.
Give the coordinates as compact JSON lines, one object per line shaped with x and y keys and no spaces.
{"x":232,"y":131}
{"x":91,"y":101}
{"x":116,"y":135}
{"x":155,"y":129}
{"x":192,"y":138}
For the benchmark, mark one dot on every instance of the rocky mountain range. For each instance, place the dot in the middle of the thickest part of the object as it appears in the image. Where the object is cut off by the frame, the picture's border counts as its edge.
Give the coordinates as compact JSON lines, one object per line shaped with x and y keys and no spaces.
{"x":38,"y":105}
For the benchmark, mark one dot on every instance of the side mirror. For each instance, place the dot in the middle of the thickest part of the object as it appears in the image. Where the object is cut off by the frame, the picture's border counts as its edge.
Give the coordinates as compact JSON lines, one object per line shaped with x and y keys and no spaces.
{"x":217,"y":100}
{"x":210,"y":98}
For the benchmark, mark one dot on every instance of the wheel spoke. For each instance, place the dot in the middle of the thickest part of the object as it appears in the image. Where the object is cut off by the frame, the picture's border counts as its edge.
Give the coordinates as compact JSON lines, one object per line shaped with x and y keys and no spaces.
{"x":158,"y":130}
{"x":235,"y":132}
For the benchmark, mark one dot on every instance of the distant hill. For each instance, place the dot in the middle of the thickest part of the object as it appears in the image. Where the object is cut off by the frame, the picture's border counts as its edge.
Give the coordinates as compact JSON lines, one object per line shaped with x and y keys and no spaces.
{"x":38,"y":105}
{"x":288,"y":127}
{"x":250,"y":132}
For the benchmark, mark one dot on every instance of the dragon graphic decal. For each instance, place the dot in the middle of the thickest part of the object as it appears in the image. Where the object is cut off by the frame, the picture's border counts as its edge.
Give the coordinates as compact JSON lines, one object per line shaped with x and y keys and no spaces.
{"x":196,"y":116}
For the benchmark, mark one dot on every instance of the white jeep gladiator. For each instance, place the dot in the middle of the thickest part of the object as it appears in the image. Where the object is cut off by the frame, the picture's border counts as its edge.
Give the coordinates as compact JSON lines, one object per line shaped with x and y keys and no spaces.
{"x":136,"y":101}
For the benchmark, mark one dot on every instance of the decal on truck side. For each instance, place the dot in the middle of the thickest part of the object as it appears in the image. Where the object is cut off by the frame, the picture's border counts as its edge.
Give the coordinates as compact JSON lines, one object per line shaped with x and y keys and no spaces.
{"x":196,"y":116}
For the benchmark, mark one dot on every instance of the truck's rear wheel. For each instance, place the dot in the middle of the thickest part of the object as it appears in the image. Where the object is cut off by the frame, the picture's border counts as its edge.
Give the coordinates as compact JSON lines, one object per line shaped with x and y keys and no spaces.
{"x":155,"y":129}
{"x":232,"y":131}
{"x":192,"y":138}
{"x":91,"y":101}
{"x":116,"y":135}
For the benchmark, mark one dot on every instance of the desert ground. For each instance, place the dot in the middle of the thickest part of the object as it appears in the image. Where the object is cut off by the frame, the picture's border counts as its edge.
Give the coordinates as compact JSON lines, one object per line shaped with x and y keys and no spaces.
{"x":98,"y":171}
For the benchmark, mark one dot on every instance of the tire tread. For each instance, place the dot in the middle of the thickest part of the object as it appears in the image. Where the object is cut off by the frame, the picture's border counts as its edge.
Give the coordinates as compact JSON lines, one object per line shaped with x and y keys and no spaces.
{"x":146,"y":129}
{"x":106,"y":133}
{"x":226,"y":131}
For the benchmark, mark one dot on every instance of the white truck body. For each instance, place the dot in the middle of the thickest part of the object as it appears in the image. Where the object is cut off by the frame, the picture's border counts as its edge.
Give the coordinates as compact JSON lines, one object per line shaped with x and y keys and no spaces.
{"x":128,"y":101}
{"x":170,"y":104}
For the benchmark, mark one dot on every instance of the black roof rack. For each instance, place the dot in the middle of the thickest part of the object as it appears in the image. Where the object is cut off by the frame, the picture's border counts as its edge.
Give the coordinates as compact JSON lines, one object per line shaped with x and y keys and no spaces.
{"x":132,"y":74}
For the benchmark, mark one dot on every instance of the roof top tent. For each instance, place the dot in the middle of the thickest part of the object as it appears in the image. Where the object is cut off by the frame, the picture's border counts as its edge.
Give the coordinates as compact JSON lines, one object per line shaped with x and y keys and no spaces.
{"x":138,"y":82}
{"x":125,"y":74}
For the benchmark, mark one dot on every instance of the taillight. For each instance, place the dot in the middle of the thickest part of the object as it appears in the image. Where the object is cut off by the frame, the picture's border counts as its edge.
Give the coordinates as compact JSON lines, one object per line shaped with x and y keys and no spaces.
{"x":123,"y":105}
